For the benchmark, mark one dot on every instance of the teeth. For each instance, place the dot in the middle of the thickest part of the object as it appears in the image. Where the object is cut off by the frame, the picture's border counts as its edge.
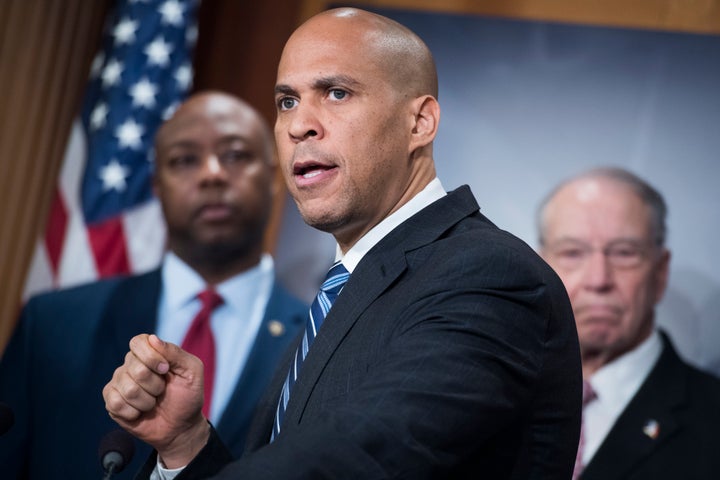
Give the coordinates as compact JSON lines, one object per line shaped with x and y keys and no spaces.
{"x":311,"y":174}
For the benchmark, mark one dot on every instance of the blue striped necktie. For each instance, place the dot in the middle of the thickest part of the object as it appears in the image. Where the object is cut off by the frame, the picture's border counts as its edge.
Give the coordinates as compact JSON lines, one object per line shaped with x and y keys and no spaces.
{"x":329,"y":290}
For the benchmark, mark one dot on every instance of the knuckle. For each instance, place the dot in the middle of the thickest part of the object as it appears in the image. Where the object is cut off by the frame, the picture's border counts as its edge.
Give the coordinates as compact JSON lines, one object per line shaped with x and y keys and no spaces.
{"x":139,"y":372}
{"x":114,"y":403}
{"x":156,"y":388}
{"x":131,"y":391}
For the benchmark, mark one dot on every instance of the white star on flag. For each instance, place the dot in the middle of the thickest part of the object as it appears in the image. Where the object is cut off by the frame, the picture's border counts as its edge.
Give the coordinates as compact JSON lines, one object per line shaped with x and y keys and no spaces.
{"x":112,"y":72}
{"x":98,"y":116}
{"x":113,"y":176}
{"x":124,"y":32}
{"x":191,"y":35}
{"x":129,"y":134}
{"x":143,"y":93}
{"x":171,"y":12}
{"x":183,"y":76}
{"x":158,"y":52}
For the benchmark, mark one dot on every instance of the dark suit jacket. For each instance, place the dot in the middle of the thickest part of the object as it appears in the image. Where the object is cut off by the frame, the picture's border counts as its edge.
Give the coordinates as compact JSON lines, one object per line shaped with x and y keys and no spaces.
{"x":450,"y":353}
{"x":685,"y":405}
{"x":66,"y":348}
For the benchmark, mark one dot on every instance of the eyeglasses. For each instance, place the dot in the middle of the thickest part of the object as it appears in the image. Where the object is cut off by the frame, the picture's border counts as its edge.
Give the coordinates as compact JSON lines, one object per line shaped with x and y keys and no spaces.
{"x":619,"y":254}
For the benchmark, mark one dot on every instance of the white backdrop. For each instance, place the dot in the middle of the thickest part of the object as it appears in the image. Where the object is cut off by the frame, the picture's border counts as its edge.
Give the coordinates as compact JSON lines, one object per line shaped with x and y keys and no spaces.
{"x":526,"y":104}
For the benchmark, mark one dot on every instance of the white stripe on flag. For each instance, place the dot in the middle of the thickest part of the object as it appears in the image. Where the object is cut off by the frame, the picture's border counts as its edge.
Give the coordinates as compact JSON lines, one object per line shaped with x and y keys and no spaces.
{"x":77,"y":263}
{"x":146,"y":245}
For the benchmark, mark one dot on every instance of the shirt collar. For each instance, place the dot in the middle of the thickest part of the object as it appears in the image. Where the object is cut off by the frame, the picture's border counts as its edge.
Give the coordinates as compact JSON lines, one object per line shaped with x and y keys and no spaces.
{"x":433,"y":191}
{"x":618,"y":381}
{"x":181,"y":283}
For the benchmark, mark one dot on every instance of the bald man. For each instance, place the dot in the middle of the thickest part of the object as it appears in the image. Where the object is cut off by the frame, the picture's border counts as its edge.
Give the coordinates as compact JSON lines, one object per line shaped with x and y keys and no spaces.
{"x":214,"y":179}
{"x":450,"y":352}
{"x":650,"y":415}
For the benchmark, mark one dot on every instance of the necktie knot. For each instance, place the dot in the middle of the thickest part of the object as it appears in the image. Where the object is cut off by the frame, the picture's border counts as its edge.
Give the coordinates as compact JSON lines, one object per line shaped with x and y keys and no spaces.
{"x":334,"y":282}
{"x":336,"y":278}
{"x":210,"y":299}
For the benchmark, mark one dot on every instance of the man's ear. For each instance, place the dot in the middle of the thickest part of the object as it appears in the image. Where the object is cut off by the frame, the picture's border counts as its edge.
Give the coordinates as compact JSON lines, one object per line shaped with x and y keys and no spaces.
{"x":426,"y":117}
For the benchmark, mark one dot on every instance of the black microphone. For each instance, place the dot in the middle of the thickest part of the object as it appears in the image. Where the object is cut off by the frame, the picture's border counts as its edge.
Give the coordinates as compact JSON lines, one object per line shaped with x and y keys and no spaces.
{"x":116,"y":450}
{"x":7,"y":418}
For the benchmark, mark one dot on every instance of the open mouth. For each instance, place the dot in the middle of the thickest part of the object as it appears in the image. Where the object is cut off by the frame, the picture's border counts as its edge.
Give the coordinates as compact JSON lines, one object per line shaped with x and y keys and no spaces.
{"x":310,"y":169}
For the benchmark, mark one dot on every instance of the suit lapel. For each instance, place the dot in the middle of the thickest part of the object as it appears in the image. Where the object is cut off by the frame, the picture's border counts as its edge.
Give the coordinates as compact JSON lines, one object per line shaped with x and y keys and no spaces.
{"x":261,"y":425}
{"x":269,"y":344}
{"x":648,"y":421}
{"x":381,"y":266}
{"x":363,"y":287}
{"x":132,"y":309}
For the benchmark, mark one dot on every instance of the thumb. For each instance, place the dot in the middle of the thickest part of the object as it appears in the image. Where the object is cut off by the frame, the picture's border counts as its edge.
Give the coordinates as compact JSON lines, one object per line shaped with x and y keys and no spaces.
{"x":175,"y":358}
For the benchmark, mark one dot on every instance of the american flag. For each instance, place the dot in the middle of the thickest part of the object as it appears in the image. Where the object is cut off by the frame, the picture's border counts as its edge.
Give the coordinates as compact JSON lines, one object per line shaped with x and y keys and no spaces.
{"x":104,"y":220}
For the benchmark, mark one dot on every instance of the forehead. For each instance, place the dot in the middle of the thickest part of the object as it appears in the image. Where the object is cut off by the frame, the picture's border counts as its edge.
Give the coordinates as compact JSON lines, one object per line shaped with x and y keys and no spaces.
{"x":597,"y":210}
{"x":329,"y":47}
{"x":207,"y":120}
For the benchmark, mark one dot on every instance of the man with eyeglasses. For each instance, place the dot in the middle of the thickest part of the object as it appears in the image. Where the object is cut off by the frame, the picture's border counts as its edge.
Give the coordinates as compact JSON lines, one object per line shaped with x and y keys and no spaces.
{"x":647,"y":414}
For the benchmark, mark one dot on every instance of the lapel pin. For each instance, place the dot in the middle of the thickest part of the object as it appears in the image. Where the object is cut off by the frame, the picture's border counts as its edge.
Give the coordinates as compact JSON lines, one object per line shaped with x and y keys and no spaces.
{"x":276,"y":328}
{"x":651,"y":429}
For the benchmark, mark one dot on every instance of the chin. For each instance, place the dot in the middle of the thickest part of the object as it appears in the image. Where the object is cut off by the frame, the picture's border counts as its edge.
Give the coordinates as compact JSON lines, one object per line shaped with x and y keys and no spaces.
{"x":596,"y":338}
{"x":323,"y":221}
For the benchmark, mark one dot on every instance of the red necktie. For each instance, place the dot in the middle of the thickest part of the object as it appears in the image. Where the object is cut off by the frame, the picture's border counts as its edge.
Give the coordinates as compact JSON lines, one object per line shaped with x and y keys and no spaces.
{"x":588,"y":395}
{"x":200,"y":342}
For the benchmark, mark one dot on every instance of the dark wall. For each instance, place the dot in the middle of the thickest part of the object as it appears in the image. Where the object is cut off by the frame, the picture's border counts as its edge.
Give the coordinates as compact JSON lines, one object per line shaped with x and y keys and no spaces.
{"x":239,"y":45}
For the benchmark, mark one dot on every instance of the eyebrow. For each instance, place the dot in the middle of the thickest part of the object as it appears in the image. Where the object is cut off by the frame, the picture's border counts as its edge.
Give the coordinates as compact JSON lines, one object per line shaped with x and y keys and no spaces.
{"x":285,"y":90}
{"x":322,"y":83}
{"x":614,"y":241}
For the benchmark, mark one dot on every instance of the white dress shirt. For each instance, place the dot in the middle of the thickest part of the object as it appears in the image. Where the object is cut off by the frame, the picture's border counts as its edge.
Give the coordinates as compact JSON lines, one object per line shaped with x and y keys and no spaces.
{"x":615,"y":384}
{"x":235,"y":323}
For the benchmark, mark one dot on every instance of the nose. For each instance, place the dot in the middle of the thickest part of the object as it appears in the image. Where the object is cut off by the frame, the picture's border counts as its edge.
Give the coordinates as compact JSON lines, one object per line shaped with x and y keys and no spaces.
{"x":597,"y":272}
{"x":304,"y":123}
{"x":212,"y":169}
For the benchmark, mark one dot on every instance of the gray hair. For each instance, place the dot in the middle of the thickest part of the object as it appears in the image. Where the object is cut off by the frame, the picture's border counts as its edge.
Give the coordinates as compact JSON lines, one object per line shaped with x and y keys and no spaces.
{"x":647,"y":193}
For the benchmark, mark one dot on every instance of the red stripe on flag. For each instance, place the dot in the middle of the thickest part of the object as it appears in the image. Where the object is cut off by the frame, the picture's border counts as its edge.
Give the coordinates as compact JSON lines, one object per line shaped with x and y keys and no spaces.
{"x":55,"y":231}
{"x":107,"y":240}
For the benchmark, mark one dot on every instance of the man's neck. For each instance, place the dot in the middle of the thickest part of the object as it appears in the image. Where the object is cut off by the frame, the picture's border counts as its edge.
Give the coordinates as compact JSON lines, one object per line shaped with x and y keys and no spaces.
{"x":215,"y":271}
{"x":352,"y":256}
